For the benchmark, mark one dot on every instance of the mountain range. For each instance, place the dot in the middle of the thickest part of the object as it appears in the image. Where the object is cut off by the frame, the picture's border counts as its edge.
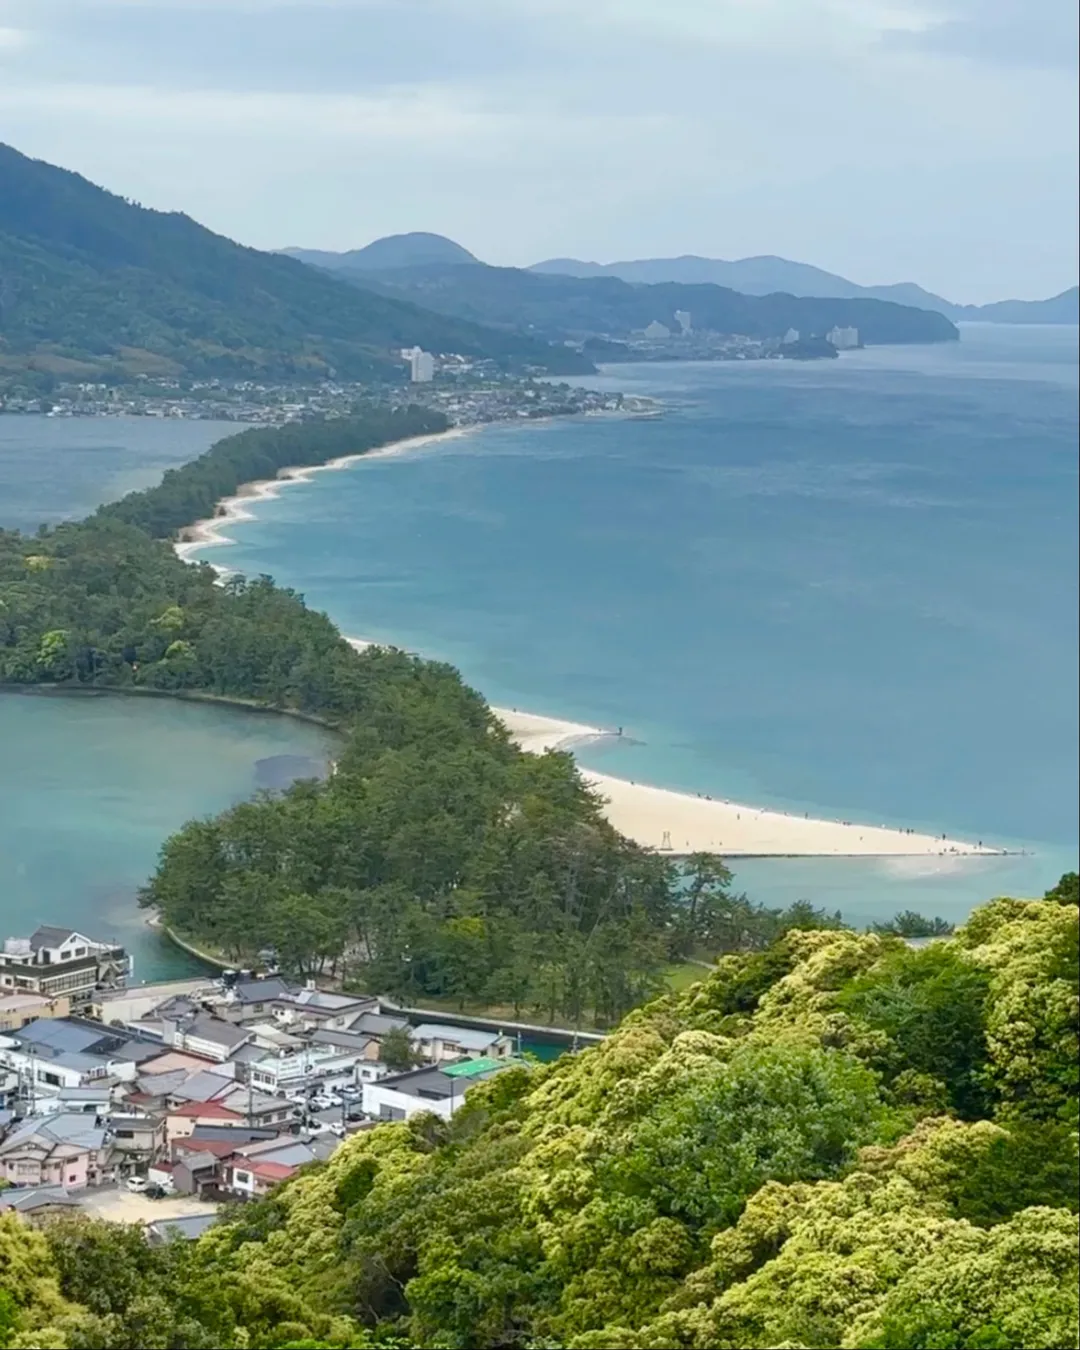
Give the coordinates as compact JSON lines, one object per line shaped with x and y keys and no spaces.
{"x":96,"y":287}
{"x":604,"y":313}
{"x":766,"y":275}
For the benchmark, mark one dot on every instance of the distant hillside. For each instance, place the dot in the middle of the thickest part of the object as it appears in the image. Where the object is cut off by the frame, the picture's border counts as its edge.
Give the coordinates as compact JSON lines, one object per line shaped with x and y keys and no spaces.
{"x":766,"y":275}
{"x":395,"y":250}
{"x":559,"y":308}
{"x":94,"y":286}
{"x":1063,"y":308}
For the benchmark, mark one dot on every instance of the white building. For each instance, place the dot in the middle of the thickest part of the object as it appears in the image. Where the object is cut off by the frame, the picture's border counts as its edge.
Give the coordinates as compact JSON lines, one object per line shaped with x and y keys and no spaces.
{"x":439,"y":1090}
{"x":657,"y":330}
{"x":682,"y":318}
{"x":843,"y":339}
{"x":792,"y":335}
{"x":421,"y":365}
{"x":438,"y":1042}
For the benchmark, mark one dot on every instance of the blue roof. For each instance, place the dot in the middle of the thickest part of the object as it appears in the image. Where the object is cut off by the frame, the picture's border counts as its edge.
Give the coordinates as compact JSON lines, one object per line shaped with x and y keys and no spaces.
{"x":60,"y":1035}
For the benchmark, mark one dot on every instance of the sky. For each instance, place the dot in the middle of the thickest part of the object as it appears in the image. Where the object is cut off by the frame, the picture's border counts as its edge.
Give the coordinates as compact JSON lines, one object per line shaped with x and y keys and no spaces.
{"x":887,"y":140}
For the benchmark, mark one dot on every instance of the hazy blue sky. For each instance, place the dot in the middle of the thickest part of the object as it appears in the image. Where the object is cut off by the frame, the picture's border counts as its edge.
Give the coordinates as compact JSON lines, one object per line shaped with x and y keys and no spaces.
{"x":927,"y":140}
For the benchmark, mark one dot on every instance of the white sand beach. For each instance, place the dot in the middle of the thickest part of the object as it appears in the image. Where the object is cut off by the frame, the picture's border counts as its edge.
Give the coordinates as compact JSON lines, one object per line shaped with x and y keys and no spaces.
{"x":209,"y":533}
{"x":680,"y":822}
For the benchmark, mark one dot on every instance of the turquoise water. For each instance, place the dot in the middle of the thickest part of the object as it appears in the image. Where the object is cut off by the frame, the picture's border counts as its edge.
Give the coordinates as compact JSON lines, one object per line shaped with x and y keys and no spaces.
{"x":91,"y":786}
{"x":57,"y":468}
{"x":847,"y":588}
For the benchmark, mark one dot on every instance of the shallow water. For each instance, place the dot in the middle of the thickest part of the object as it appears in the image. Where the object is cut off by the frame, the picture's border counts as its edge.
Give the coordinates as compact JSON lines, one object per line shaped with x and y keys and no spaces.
{"x":847,"y":588}
{"x":92,"y":785}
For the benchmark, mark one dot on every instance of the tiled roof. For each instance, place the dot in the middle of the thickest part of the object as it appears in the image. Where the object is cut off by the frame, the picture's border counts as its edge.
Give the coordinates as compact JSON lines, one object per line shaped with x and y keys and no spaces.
{"x":208,"y":1110}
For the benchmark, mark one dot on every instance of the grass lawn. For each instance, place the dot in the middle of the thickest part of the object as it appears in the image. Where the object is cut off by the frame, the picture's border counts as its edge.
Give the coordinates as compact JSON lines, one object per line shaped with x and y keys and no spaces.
{"x":683,"y":975}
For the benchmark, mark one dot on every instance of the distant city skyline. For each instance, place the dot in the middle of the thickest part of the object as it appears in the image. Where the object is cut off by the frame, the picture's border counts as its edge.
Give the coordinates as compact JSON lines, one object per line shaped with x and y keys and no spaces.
{"x":884,"y":140}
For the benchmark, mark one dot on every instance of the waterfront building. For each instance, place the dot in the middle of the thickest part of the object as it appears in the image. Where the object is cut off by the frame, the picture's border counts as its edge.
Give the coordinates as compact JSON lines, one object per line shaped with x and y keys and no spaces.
{"x":60,"y":961}
{"x":682,"y":318}
{"x":843,"y":339}
{"x":657,"y":330}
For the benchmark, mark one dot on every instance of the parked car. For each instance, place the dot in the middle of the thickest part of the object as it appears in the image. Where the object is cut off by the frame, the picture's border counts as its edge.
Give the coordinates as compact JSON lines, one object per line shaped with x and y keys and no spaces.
{"x":155,"y":1191}
{"x":138,"y":1185}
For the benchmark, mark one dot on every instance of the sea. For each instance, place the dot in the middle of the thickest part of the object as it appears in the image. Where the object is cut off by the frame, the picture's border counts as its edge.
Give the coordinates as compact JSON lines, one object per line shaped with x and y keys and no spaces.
{"x":847,"y":588}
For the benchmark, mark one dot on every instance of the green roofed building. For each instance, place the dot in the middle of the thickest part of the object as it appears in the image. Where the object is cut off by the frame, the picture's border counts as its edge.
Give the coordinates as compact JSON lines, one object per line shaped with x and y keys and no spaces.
{"x":439,"y":1090}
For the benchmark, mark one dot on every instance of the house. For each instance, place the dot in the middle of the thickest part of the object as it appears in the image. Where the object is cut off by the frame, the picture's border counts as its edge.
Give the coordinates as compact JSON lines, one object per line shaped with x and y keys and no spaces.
{"x":38,"y":1202}
{"x":61,"y":961}
{"x":131,"y":1005}
{"x":437,"y":1042}
{"x":95,"y":1100}
{"x":440,"y":1090}
{"x":294,"y":1006}
{"x":136,"y":1138}
{"x":182,"y":1121}
{"x":195,"y":1159}
{"x":69,"y":1150}
{"x":257,"y":1168}
{"x":203,"y":1034}
{"x":53,"y":1053}
{"x":322,"y":1054}
{"x":259,"y":1108}
{"x":18,"y":1009}
{"x":377,"y":1025}
{"x":184,"y":1227}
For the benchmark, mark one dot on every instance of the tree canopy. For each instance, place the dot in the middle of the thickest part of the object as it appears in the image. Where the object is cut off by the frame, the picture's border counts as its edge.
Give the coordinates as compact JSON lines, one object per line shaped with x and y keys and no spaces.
{"x":764,"y":1160}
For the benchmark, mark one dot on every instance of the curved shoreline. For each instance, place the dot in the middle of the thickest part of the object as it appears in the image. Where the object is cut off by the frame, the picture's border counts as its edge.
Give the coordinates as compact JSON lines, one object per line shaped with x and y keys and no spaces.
{"x":202,"y":534}
{"x":660,"y":819}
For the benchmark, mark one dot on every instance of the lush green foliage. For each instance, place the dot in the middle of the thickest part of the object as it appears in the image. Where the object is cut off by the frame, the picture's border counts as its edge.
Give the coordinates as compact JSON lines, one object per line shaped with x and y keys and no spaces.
{"x":92,"y":285}
{"x":753,"y":1163}
{"x":562,"y":306}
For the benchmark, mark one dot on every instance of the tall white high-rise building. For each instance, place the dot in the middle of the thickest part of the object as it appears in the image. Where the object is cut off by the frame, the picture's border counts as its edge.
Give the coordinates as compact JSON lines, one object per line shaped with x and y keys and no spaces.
{"x":421,"y":364}
{"x":682,"y":318}
{"x":843,"y":339}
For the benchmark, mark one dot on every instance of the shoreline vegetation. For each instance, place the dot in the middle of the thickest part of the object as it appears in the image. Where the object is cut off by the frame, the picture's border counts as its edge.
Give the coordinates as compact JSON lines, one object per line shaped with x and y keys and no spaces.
{"x":667,"y":820}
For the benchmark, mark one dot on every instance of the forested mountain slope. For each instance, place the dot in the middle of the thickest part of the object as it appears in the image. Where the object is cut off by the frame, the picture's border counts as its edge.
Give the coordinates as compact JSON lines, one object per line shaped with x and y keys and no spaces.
{"x":840,"y":1142}
{"x":560,"y":307}
{"x":92,"y":285}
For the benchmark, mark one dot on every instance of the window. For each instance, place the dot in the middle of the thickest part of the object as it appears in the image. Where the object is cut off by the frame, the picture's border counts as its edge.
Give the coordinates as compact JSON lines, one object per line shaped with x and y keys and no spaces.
{"x":242,"y":1178}
{"x":72,"y":1176}
{"x":53,"y":1079}
{"x":79,"y":951}
{"x":391,"y":1112}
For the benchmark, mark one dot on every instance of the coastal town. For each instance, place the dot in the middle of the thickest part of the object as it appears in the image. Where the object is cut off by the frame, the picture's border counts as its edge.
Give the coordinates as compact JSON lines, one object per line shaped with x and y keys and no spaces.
{"x":159,"y":1102}
{"x":469,"y":393}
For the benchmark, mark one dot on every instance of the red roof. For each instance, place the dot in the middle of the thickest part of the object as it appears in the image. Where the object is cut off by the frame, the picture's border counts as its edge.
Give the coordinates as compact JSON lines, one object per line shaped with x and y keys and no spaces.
{"x":269,"y":1171}
{"x":214,"y":1109}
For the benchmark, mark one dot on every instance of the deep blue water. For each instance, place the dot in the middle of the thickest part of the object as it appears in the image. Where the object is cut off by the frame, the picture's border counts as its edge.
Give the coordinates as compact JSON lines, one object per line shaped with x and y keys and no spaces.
{"x":844,"y":587}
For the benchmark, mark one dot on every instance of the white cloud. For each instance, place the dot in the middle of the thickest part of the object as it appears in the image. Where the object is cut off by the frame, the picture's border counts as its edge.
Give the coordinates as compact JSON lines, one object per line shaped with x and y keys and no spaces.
{"x":839,"y":131}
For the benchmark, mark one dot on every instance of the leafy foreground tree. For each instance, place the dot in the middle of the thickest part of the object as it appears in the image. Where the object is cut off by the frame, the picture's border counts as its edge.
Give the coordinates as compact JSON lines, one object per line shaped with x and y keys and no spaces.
{"x":774,"y":1158}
